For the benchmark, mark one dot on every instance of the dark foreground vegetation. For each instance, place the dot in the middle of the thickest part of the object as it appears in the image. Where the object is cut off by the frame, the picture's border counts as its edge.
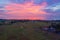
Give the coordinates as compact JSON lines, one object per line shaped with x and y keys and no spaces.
{"x":29,"y":30}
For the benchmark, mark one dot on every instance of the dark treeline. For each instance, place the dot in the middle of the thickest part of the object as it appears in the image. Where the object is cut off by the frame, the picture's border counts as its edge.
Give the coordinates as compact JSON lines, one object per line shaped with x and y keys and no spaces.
{"x":5,"y":21}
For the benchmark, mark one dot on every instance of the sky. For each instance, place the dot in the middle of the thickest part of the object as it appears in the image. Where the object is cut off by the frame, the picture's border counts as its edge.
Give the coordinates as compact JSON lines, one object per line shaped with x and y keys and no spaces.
{"x":30,"y":9}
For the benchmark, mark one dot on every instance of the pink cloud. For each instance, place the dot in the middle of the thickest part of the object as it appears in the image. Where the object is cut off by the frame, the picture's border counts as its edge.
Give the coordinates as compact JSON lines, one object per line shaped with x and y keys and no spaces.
{"x":27,"y":10}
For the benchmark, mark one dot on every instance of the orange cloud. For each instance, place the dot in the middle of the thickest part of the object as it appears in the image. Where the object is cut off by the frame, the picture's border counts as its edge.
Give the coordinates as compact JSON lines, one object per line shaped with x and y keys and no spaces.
{"x":22,"y":10}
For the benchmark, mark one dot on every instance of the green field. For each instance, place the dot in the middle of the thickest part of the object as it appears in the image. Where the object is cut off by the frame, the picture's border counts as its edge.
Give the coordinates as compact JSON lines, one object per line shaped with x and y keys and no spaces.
{"x":26,"y":31}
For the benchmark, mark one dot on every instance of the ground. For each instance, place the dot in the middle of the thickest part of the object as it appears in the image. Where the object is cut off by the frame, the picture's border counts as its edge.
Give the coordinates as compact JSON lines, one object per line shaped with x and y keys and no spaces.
{"x":27,"y":31}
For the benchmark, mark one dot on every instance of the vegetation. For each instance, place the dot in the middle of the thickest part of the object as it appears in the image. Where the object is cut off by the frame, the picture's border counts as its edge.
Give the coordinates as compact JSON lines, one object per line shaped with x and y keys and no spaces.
{"x":25,"y":30}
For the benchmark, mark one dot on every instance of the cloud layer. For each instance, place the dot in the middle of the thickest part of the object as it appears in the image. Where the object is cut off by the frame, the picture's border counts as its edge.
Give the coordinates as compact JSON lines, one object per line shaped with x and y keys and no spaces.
{"x":28,"y":9}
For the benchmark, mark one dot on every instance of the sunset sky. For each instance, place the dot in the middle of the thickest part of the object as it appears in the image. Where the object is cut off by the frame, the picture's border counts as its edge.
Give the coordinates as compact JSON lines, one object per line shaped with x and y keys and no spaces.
{"x":30,"y":9}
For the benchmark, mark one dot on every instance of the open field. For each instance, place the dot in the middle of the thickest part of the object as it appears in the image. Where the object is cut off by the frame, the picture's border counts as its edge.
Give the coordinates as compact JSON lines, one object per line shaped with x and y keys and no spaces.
{"x":29,"y":30}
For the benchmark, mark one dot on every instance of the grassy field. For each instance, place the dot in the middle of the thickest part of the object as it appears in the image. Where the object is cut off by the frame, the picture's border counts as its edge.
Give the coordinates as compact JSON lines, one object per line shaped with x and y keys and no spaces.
{"x":26,"y":31}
